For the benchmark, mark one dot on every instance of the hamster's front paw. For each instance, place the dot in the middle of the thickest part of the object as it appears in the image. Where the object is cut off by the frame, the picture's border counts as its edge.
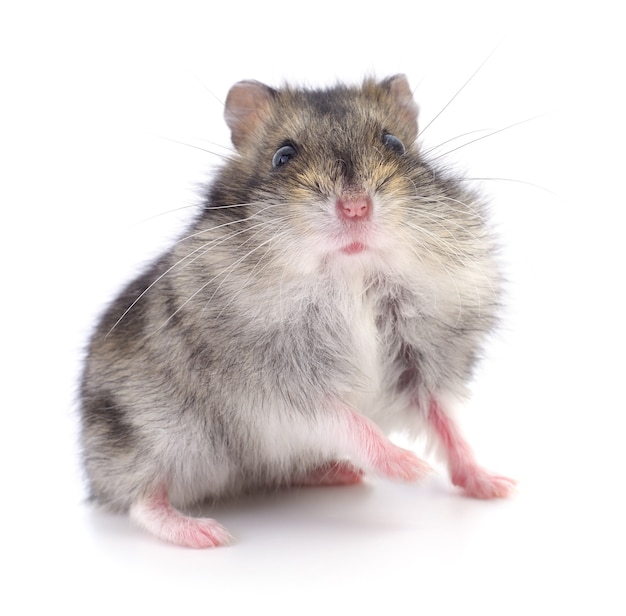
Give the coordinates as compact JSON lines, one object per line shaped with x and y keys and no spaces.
{"x":379,"y":454}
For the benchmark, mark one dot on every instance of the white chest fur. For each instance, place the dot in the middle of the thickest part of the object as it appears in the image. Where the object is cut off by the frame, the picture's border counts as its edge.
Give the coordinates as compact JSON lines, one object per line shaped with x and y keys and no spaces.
{"x":360,"y":314}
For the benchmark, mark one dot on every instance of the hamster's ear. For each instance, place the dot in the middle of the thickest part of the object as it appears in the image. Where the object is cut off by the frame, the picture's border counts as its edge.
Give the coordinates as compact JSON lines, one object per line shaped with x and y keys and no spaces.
{"x":400,"y":90}
{"x":247,"y":104}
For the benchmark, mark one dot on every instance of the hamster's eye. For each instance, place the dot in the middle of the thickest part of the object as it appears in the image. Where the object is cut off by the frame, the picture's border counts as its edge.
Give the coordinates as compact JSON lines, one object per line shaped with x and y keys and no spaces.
{"x":283,"y":156}
{"x":392,"y":142}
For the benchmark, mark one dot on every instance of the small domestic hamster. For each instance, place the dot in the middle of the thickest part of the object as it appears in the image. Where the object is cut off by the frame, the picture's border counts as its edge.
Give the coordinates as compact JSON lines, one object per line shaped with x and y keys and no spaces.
{"x":335,"y":287}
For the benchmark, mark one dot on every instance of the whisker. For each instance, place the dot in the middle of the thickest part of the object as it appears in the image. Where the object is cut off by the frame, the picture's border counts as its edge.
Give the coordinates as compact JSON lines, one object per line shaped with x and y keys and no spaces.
{"x":212,"y":244}
{"x":495,"y":132}
{"x":445,"y":268}
{"x":446,"y":201}
{"x":195,"y":147}
{"x":439,"y":145}
{"x":219,"y":145}
{"x":206,"y":284}
{"x":229,"y":270}
{"x":166,"y":213}
{"x":223,"y":105}
{"x":150,"y":286}
{"x":438,"y":219}
{"x":255,"y":272}
{"x":421,"y":132}
{"x":451,"y":274}
{"x":469,"y":179}
{"x":196,"y":205}
{"x":230,"y":222}
{"x":460,"y":254}
{"x":217,"y":98}
{"x":437,"y":240}
{"x":202,"y":249}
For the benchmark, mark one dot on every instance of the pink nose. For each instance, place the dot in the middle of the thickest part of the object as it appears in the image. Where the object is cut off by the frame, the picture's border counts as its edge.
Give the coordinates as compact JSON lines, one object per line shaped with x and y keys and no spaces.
{"x":354,"y":208}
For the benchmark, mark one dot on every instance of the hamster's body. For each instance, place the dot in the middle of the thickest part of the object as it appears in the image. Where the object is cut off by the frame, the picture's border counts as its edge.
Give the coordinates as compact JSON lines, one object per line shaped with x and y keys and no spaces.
{"x":334,"y":287}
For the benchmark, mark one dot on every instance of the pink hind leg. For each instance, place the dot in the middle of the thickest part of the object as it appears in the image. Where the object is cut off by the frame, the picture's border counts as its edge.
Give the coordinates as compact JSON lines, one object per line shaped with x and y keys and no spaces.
{"x":339,"y":473}
{"x":155,"y":514}
{"x":464,"y":471}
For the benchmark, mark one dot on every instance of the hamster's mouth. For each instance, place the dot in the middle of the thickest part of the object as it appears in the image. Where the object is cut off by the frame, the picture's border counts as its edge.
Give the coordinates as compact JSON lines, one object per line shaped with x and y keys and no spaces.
{"x":355,"y":239}
{"x":354,"y":248}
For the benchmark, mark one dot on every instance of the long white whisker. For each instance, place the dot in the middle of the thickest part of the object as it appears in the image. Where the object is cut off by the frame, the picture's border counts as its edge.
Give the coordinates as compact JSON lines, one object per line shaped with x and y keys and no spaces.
{"x":470,"y":179}
{"x":226,"y":224}
{"x":195,"y":147}
{"x":255,"y":271}
{"x":441,"y":262}
{"x":471,"y":132}
{"x":202,"y":249}
{"x":150,"y":286}
{"x":463,"y":257}
{"x":229,"y":270}
{"x":446,"y":202}
{"x":421,"y":132}
{"x":206,"y":284}
{"x":495,"y":132}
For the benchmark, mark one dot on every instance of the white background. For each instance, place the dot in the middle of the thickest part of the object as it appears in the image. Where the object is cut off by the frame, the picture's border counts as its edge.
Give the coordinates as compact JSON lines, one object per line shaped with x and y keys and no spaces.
{"x":94,"y":98}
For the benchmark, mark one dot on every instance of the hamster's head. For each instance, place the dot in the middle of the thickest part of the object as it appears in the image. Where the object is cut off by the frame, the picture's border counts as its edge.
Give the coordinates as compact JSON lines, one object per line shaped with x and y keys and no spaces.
{"x":334,"y":176}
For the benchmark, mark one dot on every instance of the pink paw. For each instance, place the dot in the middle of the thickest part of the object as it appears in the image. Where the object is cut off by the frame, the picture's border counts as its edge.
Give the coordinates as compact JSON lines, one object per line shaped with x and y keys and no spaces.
{"x":379,"y":454}
{"x":340,"y":473}
{"x":398,"y":463}
{"x":480,"y":483}
{"x":156,"y":515}
{"x":199,"y":533}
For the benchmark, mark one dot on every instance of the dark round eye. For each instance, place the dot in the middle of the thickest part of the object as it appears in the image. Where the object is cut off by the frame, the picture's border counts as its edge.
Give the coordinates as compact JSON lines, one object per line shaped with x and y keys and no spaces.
{"x":394,"y":143}
{"x":283,"y":156}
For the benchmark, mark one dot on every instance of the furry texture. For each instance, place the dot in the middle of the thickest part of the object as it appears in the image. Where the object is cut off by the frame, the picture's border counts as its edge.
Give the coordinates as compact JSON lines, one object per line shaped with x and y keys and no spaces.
{"x":279,"y":337}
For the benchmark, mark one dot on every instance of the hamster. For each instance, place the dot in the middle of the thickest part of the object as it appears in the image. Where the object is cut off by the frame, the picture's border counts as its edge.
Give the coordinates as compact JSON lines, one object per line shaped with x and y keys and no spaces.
{"x":334,"y":288}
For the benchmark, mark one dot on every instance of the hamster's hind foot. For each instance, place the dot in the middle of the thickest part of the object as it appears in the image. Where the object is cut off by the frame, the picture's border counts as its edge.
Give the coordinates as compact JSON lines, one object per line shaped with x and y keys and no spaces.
{"x":334,"y":473}
{"x":155,"y":514}
{"x":480,"y":483}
